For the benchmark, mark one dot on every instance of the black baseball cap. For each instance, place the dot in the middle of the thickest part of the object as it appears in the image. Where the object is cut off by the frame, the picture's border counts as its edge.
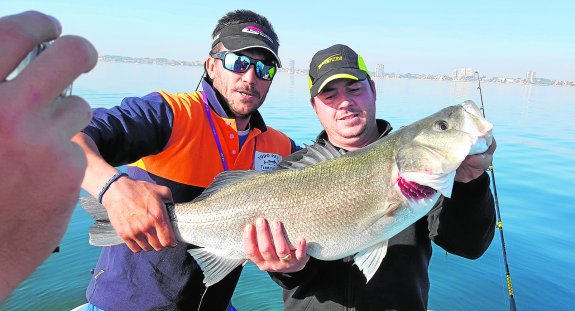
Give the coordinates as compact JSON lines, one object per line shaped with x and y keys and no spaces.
{"x":238,"y":37}
{"x":336,"y":62}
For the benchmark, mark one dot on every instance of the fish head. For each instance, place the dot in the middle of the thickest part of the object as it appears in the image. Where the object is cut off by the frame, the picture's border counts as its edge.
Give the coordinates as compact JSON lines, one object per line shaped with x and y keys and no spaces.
{"x":437,"y":145}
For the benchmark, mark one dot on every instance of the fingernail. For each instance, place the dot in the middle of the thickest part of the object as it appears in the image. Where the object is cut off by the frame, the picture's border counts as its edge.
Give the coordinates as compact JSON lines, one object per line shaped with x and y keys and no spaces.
{"x":260,"y":222}
{"x":248,"y":227}
{"x":56,"y":23}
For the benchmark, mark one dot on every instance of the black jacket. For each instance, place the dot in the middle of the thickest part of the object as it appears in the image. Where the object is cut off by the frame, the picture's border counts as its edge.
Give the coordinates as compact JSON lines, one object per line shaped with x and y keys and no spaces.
{"x":463,"y":225}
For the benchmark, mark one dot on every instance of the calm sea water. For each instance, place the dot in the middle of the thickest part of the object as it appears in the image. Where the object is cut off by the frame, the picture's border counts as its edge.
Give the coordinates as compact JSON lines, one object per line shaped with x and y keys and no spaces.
{"x":534,"y":166}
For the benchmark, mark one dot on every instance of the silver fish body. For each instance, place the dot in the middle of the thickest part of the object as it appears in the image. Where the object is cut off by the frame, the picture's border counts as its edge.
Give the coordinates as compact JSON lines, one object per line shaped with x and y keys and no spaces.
{"x":343,"y":205}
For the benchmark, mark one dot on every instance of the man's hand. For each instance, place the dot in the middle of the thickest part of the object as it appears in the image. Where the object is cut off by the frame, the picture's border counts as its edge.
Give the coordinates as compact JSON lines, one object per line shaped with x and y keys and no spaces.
{"x":269,"y":248}
{"x":475,"y":165}
{"x":138,"y":213}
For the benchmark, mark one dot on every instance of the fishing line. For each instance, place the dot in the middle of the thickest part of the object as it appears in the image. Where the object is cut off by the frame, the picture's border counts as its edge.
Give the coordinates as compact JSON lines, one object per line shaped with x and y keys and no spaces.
{"x":499,"y":221}
{"x":201,"y":78}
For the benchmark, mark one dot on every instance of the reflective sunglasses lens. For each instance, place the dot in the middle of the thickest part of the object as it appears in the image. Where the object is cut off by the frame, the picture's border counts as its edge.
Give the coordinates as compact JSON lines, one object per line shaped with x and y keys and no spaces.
{"x":236,"y":63}
{"x":264,"y":71}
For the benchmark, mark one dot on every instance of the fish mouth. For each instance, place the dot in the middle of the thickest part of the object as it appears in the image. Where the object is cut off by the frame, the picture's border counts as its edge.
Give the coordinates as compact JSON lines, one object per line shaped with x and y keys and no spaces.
{"x":414,"y":190}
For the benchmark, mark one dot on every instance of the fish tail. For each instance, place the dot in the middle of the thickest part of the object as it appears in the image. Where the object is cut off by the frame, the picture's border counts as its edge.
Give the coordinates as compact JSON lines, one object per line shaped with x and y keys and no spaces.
{"x":101,"y":233}
{"x":94,"y":208}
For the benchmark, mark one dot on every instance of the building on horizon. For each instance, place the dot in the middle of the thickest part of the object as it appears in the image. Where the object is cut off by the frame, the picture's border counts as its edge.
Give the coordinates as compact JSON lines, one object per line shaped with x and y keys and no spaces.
{"x":465,"y":73}
{"x":530,"y":77}
{"x":291,"y":66}
{"x":379,"y":70}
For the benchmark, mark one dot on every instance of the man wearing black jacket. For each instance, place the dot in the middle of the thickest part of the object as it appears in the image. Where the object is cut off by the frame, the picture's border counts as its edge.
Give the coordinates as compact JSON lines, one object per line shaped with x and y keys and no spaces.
{"x":343,"y":96}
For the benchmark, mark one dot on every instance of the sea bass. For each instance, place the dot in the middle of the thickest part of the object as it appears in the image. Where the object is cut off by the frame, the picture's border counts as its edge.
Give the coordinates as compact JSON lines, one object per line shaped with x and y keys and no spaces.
{"x":344,"y":205}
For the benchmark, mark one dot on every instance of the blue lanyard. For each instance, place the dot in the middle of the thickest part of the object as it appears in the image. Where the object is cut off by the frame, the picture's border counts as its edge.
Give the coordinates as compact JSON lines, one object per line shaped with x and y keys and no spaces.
{"x":214,"y":133}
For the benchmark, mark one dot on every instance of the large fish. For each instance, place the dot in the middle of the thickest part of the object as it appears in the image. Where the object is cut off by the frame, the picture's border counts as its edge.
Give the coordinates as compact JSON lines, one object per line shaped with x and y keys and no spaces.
{"x":344,"y":205}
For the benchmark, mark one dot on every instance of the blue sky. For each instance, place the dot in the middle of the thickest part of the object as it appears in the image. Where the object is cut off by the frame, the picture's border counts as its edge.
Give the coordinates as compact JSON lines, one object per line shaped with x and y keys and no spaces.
{"x":496,"y":38}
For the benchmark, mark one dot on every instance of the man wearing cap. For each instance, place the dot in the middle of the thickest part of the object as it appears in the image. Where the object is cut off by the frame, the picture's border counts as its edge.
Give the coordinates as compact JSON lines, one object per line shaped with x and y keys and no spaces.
{"x":174,"y":145}
{"x":344,"y":97}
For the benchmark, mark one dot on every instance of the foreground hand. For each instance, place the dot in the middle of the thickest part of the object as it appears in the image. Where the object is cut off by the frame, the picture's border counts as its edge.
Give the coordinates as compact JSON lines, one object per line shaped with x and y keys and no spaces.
{"x":272,"y":251}
{"x":138,"y":213}
{"x":474,"y":165}
{"x":41,"y":168}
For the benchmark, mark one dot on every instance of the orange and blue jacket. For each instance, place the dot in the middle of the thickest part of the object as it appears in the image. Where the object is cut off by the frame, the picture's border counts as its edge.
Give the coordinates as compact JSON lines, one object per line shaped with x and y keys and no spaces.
{"x":167,"y":139}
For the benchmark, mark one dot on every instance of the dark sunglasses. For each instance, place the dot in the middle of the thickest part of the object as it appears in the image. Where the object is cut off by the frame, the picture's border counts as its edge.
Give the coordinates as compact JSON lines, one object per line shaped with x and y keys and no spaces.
{"x":241,"y":63}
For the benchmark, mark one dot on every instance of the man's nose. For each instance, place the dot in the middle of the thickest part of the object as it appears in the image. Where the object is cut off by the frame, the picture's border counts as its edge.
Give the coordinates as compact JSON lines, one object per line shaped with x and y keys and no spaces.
{"x":344,"y":100}
{"x":250,"y":75}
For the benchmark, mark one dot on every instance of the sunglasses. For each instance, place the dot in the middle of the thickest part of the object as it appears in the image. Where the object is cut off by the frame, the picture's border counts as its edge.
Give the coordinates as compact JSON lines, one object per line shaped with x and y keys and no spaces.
{"x":241,"y":63}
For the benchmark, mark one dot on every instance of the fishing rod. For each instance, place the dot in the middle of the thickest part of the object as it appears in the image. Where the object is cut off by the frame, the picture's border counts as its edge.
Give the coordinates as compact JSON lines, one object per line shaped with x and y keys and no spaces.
{"x":499,"y":222}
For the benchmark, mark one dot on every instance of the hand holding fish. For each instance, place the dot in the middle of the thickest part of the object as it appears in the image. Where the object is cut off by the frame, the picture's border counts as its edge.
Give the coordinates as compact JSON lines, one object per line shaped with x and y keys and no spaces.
{"x":475,"y":165}
{"x":272,"y":251}
{"x":137,"y":211}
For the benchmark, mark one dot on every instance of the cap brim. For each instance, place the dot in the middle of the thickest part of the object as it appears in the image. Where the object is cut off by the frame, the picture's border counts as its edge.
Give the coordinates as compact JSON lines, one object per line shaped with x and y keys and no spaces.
{"x":340,"y":73}
{"x":244,"y":43}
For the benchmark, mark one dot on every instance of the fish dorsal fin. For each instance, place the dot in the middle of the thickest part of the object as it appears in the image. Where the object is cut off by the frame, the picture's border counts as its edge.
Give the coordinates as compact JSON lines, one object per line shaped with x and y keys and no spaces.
{"x":369,"y":259}
{"x":215,"y":268}
{"x":101,"y":233}
{"x":225,"y":179}
{"x":310,"y":155}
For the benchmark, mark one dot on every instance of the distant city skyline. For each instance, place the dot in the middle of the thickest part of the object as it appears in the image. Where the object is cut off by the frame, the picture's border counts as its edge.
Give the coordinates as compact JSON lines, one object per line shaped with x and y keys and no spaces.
{"x":497,"y":38}
{"x":459,"y":74}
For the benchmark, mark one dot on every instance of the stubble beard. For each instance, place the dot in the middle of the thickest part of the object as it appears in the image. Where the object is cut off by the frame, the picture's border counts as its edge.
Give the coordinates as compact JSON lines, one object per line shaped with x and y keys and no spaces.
{"x":238,"y":107}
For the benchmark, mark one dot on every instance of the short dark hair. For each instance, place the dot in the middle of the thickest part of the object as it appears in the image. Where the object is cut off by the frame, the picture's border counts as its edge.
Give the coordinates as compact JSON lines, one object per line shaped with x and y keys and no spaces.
{"x":239,"y":17}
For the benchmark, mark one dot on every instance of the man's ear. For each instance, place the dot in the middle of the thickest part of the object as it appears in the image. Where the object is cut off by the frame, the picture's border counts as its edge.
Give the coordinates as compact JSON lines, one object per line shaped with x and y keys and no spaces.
{"x":372,"y":85}
{"x":312,"y":102}
{"x":210,"y":67}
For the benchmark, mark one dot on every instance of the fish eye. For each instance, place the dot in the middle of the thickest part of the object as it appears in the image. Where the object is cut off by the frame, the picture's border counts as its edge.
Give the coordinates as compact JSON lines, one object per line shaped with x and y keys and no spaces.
{"x":442,"y":125}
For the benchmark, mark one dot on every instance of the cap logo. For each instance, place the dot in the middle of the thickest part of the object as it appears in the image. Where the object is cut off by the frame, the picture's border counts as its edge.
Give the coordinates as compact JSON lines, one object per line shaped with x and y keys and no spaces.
{"x":333,"y":58}
{"x":256,"y":31}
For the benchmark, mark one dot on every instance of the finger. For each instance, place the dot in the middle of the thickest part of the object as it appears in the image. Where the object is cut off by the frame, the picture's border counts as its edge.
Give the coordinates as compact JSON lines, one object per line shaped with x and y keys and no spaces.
{"x":280,"y":240}
{"x":301,"y":251}
{"x":133,"y":246}
{"x":265,"y":241}
{"x":20,"y":33}
{"x":250,"y":245}
{"x":153,"y":240}
{"x":492,"y":147}
{"x":63,"y":61}
{"x":165,"y":230}
{"x":166,"y":235}
{"x":142,"y":241}
{"x":71,"y":116}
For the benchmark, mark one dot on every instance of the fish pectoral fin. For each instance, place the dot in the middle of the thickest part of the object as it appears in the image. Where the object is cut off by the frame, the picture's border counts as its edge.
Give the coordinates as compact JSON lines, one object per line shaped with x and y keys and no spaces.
{"x":369,"y":259}
{"x":103,"y":234}
{"x":215,"y":267}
